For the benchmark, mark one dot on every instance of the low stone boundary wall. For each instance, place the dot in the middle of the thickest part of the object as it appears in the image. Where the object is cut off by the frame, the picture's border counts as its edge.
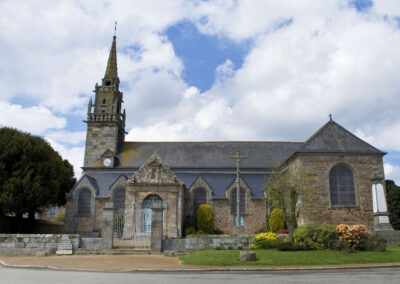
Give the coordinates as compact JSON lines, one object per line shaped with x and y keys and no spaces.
{"x":193,"y":243}
{"x":32,"y":244}
{"x":91,"y":243}
{"x":393,"y":237}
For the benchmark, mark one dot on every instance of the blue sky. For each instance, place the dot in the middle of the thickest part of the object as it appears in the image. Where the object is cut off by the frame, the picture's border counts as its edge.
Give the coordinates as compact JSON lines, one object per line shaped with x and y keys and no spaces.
{"x":205,"y":70}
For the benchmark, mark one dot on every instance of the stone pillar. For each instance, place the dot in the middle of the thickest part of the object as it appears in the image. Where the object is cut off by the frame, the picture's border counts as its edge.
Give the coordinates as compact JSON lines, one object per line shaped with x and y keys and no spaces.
{"x":156,"y":229}
{"x":379,"y":205}
{"x":108,"y":225}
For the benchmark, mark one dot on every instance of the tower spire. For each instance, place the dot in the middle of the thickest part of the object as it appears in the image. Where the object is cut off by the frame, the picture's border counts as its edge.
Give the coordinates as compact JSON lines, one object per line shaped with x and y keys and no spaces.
{"x":112,"y":70}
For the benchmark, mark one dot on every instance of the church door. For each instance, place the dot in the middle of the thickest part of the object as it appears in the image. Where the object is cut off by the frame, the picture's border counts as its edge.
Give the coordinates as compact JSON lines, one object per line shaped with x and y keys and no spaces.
{"x":149,"y":202}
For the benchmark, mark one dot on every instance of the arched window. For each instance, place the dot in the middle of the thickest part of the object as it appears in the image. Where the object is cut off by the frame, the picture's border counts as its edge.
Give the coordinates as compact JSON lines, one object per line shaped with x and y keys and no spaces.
{"x":148,"y":203}
{"x":199,"y":198}
{"x":342,"y":186}
{"x":119,"y":198}
{"x":242,"y":201}
{"x":84,"y":200}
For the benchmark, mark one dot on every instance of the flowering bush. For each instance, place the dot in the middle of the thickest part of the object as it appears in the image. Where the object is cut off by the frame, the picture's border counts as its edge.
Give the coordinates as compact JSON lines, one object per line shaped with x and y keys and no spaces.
{"x":286,"y":231}
{"x":265,"y":241}
{"x":353,"y":237}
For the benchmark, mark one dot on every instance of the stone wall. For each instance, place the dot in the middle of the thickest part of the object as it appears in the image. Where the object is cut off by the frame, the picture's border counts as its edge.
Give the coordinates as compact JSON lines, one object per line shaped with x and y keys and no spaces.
{"x":32,"y":244}
{"x":320,"y":210}
{"x":254,"y":219}
{"x":207,"y":242}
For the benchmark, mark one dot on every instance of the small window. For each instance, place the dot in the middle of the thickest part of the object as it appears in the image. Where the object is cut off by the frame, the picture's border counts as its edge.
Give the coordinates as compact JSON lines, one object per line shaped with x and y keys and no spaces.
{"x":342,"y":186}
{"x":199,"y":198}
{"x":119,"y":198}
{"x":104,"y":101}
{"x":242,"y":201}
{"x":108,"y":83}
{"x":52,"y":210}
{"x":84,"y":200}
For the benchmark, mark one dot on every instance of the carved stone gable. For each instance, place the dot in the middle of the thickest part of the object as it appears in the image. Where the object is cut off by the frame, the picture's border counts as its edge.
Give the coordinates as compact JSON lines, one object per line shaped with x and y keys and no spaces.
{"x":154,"y":171}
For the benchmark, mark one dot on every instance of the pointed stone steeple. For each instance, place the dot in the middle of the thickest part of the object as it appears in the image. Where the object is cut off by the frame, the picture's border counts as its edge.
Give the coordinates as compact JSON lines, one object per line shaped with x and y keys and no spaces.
{"x":112,"y":69}
{"x":106,"y":120}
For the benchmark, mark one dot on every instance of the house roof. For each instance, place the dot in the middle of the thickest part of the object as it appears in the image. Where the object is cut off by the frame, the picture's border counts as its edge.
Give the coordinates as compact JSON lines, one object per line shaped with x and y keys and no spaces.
{"x":209,"y":155}
{"x":333,"y":137}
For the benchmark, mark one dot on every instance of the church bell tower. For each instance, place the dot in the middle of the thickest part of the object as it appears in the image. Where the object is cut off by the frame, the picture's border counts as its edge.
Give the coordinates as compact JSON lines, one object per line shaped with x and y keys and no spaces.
{"x":105,"y":122}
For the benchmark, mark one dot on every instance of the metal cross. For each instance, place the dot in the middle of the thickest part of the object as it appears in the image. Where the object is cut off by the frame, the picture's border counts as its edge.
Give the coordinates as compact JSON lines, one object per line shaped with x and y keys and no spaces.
{"x":238,"y":158}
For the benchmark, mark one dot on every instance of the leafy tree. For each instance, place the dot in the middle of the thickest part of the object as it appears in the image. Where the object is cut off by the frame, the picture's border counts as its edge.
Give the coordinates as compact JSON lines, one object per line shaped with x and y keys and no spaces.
{"x":393,"y":200}
{"x":290,"y":192}
{"x":32,"y":174}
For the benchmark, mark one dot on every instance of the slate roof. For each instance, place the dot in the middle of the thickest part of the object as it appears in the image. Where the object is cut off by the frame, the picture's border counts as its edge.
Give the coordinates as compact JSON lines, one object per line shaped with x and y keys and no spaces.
{"x":261,"y":155}
{"x":332,"y":137}
{"x":218,"y":182}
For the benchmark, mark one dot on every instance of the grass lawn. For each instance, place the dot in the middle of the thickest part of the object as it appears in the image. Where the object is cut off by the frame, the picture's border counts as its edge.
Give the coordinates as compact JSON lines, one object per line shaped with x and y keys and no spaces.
{"x":273,"y":257}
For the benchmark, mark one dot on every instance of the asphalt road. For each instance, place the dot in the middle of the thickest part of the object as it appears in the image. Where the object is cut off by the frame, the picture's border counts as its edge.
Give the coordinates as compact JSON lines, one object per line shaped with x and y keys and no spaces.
{"x":354,"y":276}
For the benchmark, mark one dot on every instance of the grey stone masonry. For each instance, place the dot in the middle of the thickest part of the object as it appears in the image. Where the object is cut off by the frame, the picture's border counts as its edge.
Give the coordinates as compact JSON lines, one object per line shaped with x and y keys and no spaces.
{"x":33,"y":244}
{"x":64,"y":246}
{"x":156,"y":229}
{"x":108,"y":225}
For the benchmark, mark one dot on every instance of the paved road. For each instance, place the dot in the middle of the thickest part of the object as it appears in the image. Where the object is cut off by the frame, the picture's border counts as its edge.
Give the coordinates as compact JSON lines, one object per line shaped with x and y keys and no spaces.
{"x":354,"y":276}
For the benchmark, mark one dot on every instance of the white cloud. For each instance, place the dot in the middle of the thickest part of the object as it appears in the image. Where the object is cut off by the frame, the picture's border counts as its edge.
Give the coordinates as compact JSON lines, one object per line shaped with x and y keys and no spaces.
{"x":72,"y":138}
{"x":329,"y":59}
{"x":35,"y":120}
{"x":392,"y":172}
{"x":74,"y":155}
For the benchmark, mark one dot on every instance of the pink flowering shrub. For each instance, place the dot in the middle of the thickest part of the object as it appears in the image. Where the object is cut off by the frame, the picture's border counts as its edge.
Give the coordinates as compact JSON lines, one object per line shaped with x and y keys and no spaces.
{"x":354,"y":237}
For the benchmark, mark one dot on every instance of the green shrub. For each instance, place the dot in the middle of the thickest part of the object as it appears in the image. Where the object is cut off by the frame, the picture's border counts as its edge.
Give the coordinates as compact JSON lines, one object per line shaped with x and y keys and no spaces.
{"x":276,"y":220}
{"x":316,"y":236}
{"x":265,"y":241}
{"x":60,"y":218}
{"x":190,"y":231}
{"x":375,"y":243}
{"x":287,"y":246}
{"x":205,"y":219}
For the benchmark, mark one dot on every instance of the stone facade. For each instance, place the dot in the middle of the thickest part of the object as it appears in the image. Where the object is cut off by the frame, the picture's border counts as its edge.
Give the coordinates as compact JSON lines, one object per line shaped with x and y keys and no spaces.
{"x":99,"y":138}
{"x":321,"y":210}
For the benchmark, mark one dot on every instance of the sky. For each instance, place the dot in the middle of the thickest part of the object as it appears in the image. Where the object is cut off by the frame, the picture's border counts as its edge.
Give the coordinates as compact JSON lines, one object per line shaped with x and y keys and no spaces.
{"x":205,"y":70}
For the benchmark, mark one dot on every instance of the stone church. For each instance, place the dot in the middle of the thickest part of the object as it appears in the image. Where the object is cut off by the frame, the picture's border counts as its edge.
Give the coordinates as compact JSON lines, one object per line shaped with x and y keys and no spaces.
{"x":136,"y":177}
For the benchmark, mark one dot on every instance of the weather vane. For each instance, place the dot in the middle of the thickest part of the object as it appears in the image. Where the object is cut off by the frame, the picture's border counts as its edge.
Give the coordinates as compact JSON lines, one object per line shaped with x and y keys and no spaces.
{"x":115,"y":28}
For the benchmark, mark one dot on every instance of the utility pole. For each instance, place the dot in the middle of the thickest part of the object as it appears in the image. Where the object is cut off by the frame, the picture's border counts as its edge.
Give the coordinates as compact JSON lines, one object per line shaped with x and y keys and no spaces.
{"x":238,"y":158}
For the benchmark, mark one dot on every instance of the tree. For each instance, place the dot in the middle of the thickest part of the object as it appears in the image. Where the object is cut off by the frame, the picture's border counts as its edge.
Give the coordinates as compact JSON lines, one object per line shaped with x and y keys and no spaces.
{"x":32,"y":174}
{"x":290,"y":193}
{"x":393,"y":200}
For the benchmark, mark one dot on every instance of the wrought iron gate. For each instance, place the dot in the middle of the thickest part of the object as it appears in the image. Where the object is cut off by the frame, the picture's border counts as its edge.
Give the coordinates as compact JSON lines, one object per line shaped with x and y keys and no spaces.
{"x":125,"y":236}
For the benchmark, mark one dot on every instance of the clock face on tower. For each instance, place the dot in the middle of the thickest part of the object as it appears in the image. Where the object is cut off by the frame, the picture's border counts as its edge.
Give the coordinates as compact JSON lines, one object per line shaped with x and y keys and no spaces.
{"x":107,"y":162}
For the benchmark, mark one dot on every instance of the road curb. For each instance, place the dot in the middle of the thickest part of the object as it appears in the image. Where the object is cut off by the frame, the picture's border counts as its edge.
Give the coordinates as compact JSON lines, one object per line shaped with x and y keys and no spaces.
{"x":211,"y":269}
